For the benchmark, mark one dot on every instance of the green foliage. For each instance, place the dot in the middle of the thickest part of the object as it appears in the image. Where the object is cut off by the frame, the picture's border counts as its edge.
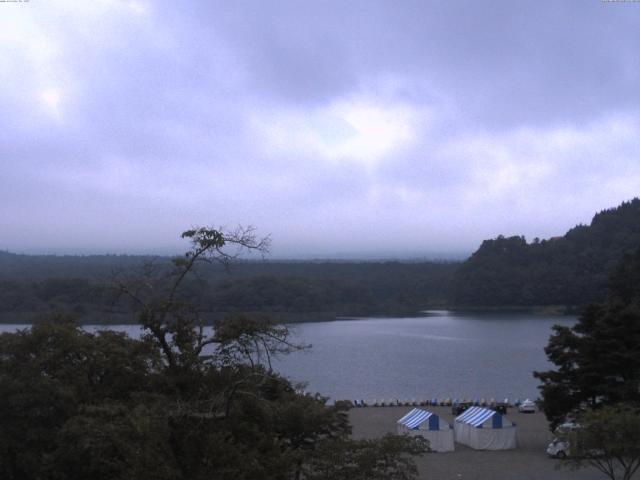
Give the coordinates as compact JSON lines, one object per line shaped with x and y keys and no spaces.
{"x":598,"y":359}
{"x":252,"y":339}
{"x":114,"y":441}
{"x":386,"y":459}
{"x":569,"y":270}
{"x":75,"y":404}
{"x":175,"y":404}
{"x":49,"y":374}
{"x":609,"y":440}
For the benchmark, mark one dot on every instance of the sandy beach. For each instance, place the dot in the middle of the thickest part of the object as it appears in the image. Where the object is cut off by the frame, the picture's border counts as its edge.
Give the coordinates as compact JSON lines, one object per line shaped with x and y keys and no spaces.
{"x":528,"y":462}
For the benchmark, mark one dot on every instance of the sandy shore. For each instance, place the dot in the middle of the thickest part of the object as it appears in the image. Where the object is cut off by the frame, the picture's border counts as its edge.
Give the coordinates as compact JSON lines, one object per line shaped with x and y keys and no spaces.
{"x":528,"y":461}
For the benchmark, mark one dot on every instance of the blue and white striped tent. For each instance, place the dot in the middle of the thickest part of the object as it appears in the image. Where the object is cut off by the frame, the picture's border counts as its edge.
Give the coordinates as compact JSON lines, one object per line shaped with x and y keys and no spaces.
{"x":428,"y":425}
{"x":485,"y":429}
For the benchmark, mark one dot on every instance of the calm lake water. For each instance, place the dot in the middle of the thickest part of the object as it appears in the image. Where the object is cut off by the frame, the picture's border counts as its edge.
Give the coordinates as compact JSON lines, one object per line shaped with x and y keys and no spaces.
{"x":440,"y":354}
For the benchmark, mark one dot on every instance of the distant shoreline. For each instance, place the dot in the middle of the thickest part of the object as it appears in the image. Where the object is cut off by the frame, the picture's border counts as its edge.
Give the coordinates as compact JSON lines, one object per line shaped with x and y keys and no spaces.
{"x":536,"y":309}
{"x":125,"y":318}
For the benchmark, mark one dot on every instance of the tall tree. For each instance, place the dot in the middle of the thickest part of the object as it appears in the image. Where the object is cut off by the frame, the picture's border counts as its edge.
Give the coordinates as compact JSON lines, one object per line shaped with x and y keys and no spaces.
{"x":158,"y":293}
{"x":598,"y":359}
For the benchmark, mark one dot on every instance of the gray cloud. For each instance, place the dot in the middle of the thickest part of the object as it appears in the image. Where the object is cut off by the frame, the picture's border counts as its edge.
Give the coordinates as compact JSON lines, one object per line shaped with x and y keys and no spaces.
{"x":336,"y":126}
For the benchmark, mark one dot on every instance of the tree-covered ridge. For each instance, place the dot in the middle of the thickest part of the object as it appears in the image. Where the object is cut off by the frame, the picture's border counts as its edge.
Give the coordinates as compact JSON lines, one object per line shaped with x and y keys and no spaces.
{"x":81,"y":285}
{"x":39,"y":267}
{"x":506,"y":271}
{"x":568,"y":270}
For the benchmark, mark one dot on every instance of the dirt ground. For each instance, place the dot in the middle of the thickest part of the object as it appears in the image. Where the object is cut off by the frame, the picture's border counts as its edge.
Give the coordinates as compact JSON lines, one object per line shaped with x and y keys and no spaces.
{"x":528,"y":462}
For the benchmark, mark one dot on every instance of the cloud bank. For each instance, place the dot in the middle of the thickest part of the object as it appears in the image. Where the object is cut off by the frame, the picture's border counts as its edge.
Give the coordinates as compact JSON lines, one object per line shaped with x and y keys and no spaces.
{"x":342,"y":128}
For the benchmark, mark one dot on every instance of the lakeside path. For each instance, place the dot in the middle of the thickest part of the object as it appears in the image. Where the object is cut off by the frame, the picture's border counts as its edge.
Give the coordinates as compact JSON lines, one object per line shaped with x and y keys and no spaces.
{"x":528,"y":462}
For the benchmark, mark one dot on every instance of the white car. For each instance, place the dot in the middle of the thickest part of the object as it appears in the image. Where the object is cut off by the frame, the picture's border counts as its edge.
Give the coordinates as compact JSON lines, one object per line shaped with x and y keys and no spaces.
{"x":527,"y":407}
{"x":558,"y":448}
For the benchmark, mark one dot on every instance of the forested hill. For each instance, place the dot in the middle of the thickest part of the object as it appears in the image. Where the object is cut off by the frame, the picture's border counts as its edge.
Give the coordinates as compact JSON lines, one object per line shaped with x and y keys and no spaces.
{"x":572,"y":270}
{"x":38,"y":267}
{"x":293,"y":291}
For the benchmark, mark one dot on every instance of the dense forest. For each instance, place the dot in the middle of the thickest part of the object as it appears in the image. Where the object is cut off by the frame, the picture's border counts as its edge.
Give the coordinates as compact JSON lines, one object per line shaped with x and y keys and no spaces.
{"x":290,"y":291}
{"x":572,"y":270}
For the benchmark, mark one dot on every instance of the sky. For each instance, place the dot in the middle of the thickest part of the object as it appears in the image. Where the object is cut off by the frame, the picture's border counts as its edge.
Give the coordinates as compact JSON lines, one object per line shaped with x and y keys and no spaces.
{"x":342,"y":129}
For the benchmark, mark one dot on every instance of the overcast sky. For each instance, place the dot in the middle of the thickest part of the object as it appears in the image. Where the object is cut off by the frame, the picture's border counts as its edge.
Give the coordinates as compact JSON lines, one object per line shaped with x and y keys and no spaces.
{"x":380,"y":128}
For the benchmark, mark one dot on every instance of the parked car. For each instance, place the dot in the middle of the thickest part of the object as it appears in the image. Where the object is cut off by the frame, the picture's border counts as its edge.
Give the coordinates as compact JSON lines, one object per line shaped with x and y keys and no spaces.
{"x":559,"y":448}
{"x":565,"y":444}
{"x":567,"y":427}
{"x":460,"y":407}
{"x":500,"y":408}
{"x":527,"y":407}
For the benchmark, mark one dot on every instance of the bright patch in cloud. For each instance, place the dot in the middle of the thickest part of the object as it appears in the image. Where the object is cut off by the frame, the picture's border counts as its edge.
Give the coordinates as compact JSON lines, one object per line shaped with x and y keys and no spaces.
{"x":139,"y":8}
{"x":378,"y":130}
{"x":354,"y":130}
{"x":51,"y":98}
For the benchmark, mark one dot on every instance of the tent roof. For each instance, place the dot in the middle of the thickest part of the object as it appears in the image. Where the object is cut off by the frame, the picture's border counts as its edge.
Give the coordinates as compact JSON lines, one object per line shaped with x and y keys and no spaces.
{"x":475,"y":416}
{"x":415,"y":417}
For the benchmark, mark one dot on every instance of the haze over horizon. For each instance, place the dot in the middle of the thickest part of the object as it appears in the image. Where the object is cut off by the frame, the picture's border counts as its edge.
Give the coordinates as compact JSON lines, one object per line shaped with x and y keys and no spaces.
{"x":292,"y":255}
{"x":343,"y":129}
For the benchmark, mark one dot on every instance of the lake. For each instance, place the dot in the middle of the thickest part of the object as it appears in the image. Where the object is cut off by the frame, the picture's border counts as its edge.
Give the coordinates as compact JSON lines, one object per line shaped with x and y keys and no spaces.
{"x":441,"y":354}
{"x":438,"y":355}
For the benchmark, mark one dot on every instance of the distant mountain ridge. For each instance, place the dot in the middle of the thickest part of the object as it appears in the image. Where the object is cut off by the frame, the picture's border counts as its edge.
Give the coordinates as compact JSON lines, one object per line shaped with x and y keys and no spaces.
{"x":571,"y":270}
